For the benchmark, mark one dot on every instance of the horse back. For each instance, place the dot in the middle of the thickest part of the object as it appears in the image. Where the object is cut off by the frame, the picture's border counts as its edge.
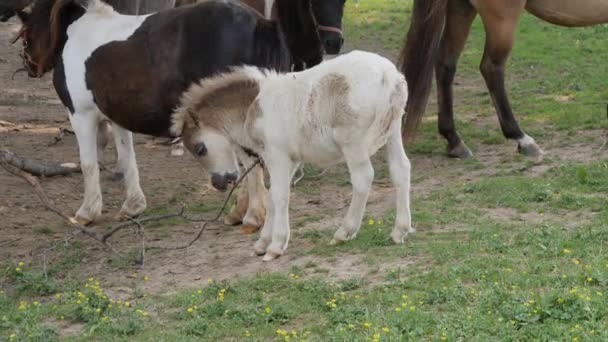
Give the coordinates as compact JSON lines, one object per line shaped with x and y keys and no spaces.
{"x":137,"y":82}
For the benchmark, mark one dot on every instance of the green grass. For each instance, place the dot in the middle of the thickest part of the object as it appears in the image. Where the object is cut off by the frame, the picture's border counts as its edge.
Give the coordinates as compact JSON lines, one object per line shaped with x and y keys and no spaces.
{"x":499,"y":256}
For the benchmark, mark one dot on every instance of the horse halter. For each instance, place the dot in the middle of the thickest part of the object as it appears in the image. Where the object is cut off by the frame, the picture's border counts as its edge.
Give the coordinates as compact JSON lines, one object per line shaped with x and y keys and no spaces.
{"x":330,"y":29}
{"x":25,"y":56}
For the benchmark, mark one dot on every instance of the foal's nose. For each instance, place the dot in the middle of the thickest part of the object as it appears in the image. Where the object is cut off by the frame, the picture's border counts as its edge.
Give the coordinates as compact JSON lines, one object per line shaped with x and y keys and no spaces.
{"x":221,"y":181}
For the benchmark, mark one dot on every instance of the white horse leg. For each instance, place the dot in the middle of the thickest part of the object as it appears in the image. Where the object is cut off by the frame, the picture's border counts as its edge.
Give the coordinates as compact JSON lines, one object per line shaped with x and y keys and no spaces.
{"x":281,"y":171}
{"x":361,"y":177}
{"x":85,"y":126}
{"x":256,"y":208}
{"x":135,"y":203}
{"x":400,"y":169}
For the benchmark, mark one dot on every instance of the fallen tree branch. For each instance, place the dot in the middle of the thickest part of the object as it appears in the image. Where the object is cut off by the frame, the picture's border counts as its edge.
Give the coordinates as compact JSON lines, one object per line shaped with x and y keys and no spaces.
{"x":37,"y":168}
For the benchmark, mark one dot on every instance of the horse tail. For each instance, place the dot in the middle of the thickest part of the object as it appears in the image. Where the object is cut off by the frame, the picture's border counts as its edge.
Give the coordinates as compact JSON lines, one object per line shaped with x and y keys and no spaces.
{"x":418,"y":56}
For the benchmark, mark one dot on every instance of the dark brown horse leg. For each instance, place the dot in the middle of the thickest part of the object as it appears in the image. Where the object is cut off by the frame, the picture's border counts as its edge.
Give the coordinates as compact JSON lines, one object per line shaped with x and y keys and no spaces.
{"x":459,"y":18}
{"x":500,"y":24}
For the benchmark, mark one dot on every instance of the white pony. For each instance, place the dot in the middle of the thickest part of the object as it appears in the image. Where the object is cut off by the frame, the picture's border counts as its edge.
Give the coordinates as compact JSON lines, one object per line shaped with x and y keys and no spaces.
{"x":343,"y":109}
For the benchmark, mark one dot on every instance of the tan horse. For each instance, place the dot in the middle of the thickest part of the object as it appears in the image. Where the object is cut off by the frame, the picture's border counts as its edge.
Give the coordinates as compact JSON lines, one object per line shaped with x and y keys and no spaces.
{"x":436,"y":38}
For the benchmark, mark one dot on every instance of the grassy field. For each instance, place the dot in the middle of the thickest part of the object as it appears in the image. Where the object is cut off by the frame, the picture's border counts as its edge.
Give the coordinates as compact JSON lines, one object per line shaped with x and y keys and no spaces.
{"x":505,"y":250}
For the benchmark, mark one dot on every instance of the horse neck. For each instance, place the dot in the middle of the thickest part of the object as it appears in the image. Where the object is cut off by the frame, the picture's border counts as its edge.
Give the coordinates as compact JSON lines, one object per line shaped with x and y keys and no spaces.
{"x":299,"y":27}
{"x":271,"y":50}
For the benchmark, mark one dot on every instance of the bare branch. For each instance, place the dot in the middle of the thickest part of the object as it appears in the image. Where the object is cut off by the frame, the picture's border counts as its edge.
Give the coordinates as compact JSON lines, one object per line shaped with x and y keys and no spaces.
{"x":37,"y":168}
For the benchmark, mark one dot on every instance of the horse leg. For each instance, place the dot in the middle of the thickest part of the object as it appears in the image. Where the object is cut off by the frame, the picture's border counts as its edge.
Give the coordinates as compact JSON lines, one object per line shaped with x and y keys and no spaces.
{"x":85,"y":125}
{"x":460,"y":16}
{"x":239,"y":209}
{"x":400,"y":169}
{"x":500,"y":26}
{"x":281,"y":170}
{"x":266,"y":233}
{"x":361,"y":177}
{"x":256,"y":207}
{"x":135,"y":202}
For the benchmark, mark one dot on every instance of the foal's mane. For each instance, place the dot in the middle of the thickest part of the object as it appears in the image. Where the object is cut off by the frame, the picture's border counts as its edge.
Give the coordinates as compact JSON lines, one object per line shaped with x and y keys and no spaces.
{"x":208,"y":90}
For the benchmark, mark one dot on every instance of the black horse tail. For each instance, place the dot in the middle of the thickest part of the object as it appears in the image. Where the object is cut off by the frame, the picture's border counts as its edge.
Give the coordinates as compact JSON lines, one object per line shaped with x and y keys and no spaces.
{"x":418,"y":57}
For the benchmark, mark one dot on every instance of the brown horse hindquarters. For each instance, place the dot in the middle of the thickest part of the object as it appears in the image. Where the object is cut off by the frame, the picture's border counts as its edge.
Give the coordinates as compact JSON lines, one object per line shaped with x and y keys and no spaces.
{"x":570,"y":13}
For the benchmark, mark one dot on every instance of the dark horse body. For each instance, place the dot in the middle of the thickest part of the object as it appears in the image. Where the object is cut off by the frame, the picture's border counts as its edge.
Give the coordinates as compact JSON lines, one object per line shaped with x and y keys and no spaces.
{"x":134,"y":70}
{"x":437,"y":36}
{"x":9,"y":8}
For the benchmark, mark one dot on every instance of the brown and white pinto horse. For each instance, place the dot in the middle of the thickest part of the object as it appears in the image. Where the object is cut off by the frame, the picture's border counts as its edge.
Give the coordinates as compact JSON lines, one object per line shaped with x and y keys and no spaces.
{"x":10,"y":8}
{"x":133,"y":69}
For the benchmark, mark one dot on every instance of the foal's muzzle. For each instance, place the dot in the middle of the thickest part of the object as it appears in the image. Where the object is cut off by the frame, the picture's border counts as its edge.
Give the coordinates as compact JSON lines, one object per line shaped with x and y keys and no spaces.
{"x":222,"y":181}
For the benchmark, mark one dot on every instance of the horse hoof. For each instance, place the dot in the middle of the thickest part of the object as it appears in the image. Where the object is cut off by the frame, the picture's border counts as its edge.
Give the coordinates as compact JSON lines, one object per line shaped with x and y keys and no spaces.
{"x":530,"y":149}
{"x":460,"y":151}
{"x":398,"y":237}
{"x":248,"y":229}
{"x":232,"y":220}
{"x":81,"y":220}
{"x":335,"y":242}
{"x":178,"y":152}
{"x":269,"y":256}
{"x":260,"y":248}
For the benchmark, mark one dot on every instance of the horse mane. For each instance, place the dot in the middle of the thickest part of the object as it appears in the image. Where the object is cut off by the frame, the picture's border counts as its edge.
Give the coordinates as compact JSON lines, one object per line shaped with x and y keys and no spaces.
{"x":298,"y":23}
{"x":49,"y":19}
{"x":208,"y":90}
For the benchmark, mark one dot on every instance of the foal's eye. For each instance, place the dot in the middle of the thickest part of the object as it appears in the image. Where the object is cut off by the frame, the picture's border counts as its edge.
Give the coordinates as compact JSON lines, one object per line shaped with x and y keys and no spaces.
{"x":201,"y":149}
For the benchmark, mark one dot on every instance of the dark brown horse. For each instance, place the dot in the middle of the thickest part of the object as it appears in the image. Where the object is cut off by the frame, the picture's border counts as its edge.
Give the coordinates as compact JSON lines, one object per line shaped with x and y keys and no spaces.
{"x":436,"y":38}
{"x":328,"y":14}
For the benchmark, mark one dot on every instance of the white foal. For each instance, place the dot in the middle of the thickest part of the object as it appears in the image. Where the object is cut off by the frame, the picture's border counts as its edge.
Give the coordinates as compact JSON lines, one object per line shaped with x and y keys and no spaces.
{"x":343,"y":109}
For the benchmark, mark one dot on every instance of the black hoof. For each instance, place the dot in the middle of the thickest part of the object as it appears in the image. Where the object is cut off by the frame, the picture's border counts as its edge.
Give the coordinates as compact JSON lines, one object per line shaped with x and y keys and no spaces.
{"x":460,"y":151}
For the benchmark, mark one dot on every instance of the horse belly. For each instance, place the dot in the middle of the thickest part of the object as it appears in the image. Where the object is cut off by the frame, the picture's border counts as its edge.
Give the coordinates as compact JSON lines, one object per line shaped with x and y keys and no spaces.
{"x":570,"y":13}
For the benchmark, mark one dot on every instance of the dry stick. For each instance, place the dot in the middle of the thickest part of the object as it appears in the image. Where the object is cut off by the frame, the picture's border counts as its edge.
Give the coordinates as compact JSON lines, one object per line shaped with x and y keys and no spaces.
{"x":132,"y":222}
{"x":36,"y":168}
{"x":206,"y":222}
{"x":59,"y":137}
{"x":9,"y":242}
{"x":33,"y":181}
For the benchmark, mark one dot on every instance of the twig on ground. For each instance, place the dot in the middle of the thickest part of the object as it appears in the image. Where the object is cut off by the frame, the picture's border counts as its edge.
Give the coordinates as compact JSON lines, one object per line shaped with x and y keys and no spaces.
{"x":9,"y":242}
{"x":37,"y":168}
{"x":59,"y":137}
{"x":206,"y":222}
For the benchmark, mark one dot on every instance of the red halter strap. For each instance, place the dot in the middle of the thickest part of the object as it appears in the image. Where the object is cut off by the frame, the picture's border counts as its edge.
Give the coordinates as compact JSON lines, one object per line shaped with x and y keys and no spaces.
{"x":329,"y":29}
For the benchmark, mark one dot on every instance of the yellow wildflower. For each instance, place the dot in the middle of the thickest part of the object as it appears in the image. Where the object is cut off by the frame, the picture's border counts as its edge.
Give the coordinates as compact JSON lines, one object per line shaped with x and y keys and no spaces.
{"x":371,"y":222}
{"x":367,"y":324}
{"x":18,"y":269}
{"x":567,"y":251}
{"x":386,"y":329}
{"x":190,"y":310}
